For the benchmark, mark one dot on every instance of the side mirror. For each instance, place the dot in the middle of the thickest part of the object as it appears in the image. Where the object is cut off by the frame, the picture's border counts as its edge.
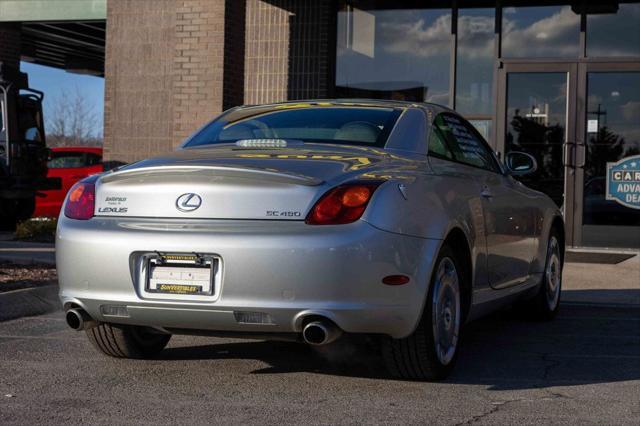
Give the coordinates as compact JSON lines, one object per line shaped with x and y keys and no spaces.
{"x":520,"y":163}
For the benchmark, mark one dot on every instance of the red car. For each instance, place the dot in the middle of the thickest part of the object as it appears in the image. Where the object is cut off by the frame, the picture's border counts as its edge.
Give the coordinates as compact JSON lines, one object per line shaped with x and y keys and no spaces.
{"x":70,"y":164}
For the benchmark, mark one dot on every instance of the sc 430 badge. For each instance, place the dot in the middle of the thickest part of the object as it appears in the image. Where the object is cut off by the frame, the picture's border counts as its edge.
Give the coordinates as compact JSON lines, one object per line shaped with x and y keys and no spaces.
{"x":278,"y":213}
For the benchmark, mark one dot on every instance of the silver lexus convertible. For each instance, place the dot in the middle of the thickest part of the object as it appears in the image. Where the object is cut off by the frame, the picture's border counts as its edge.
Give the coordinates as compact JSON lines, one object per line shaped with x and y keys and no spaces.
{"x":307,"y":221}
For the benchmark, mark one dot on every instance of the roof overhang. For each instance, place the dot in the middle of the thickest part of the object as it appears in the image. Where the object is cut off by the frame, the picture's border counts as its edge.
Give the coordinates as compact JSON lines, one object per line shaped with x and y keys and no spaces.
{"x":52,"y":10}
{"x":76,"y":47}
{"x":66,"y":34}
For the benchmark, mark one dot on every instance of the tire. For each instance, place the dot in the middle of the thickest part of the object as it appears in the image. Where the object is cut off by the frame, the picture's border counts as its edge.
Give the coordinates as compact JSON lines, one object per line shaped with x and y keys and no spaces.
{"x":8,"y":216}
{"x":422,"y":355}
{"x":126,"y":341}
{"x":544,"y":306}
{"x":25,"y":208}
{"x":8,"y":223}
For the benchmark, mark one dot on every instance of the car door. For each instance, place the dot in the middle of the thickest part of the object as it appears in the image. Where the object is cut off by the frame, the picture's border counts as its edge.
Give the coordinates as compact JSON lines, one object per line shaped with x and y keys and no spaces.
{"x":509,"y":213}
{"x":69,"y":165}
{"x":91,"y":165}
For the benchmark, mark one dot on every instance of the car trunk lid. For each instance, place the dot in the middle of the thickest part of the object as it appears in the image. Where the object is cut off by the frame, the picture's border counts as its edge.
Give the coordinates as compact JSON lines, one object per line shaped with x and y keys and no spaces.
{"x":228,"y":182}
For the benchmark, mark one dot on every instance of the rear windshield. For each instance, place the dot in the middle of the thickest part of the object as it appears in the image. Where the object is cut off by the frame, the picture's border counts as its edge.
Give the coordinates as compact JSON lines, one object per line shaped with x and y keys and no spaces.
{"x":369,"y":126}
{"x":72,"y":159}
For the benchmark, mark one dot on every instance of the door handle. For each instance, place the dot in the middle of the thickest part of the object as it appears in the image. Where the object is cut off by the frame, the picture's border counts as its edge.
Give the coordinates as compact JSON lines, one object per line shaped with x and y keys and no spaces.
{"x":568,"y":155}
{"x":581,"y":154}
{"x":486,"y":192}
{"x":574,"y":154}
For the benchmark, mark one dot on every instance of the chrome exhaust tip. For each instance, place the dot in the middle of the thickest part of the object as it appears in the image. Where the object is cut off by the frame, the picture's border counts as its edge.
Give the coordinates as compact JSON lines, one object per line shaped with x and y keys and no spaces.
{"x":78,"y":319}
{"x":320,"y":332}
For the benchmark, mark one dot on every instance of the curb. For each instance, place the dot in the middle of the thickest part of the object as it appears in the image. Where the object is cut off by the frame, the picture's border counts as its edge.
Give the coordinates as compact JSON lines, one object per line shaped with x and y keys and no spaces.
{"x":26,"y":260}
{"x":612,"y":305}
{"x":29,"y":302}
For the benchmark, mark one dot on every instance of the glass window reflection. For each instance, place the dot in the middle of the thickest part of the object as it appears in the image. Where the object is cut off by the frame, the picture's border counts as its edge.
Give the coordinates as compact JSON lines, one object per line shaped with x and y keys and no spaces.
{"x":474,"y":85}
{"x":483,"y":127}
{"x":536,"y":124}
{"x":613,"y":108}
{"x":540,"y":31}
{"x":615,"y":34}
{"x":400,"y":54}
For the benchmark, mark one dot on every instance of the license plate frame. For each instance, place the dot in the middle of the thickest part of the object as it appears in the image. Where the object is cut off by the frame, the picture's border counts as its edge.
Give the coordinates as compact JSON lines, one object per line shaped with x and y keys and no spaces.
{"x":171,"y":281}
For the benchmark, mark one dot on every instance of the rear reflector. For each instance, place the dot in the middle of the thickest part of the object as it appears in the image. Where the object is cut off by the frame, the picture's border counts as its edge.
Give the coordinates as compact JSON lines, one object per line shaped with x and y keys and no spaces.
{"x":396,"y":280}
{"x":80,"y":201}
{"x":114,"y":311}
{"x":243,"y":317}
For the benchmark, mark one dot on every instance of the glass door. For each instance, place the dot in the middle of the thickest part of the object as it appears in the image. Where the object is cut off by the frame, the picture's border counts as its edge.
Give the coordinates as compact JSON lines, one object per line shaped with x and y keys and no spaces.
{"x":536,"y":116}
{"x":608,"y":131}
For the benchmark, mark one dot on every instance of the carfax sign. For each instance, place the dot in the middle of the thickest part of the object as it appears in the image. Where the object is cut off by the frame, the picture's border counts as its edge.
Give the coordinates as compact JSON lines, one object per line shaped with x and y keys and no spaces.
{"x":623,"y":181}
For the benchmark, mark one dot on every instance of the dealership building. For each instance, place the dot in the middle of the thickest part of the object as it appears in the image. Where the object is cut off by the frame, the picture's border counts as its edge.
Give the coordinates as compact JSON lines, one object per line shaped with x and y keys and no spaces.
{"x":559,"y":80}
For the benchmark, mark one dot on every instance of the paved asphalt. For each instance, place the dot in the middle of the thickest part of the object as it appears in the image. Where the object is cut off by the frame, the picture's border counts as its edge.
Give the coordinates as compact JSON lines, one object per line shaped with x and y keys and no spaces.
{"x":583,"y":368}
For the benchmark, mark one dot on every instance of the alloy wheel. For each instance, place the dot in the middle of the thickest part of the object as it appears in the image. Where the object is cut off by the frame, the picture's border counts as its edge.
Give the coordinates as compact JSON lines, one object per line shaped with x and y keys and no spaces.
{"x":553,"y":274}
{"x":446,"y":310}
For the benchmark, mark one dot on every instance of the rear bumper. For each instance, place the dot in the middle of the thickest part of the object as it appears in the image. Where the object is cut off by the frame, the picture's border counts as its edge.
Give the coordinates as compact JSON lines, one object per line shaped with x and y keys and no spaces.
{"x":283,"y":271}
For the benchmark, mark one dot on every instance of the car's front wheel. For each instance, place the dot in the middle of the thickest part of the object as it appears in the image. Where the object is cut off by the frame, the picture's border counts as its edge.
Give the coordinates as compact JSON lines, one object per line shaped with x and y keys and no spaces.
{"x":127,"y":341}
{"x":430,"y":352}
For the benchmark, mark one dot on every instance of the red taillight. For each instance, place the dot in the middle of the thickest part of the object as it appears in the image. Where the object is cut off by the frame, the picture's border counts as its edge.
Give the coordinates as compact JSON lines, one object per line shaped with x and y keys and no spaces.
{"x":344,"y":204}
{"x":81,"y":201}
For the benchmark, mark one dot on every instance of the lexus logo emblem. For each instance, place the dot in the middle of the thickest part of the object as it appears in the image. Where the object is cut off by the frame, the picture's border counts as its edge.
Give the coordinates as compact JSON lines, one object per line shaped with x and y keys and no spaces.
{"x":188,"y":202}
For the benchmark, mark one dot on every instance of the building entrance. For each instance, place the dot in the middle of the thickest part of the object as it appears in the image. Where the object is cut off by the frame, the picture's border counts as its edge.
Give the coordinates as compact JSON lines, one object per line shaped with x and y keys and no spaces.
{"x":574,"y":118}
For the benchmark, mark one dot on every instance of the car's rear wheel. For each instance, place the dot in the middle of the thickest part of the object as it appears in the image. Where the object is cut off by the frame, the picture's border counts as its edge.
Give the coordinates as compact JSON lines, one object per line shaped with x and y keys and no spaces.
{"x":127,"y":341}
{"x":430,"y":352}
{"x":546,"y":303}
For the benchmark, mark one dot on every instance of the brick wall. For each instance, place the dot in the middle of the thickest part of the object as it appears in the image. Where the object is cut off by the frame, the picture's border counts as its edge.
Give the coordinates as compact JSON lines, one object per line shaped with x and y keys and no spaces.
{"x":10,"y":43}
{"x":139,"y":78}
{"x":288,"y":48}
{"x":172,"y":65}
{"x":163,"y":74}
{"x":198,"y":65}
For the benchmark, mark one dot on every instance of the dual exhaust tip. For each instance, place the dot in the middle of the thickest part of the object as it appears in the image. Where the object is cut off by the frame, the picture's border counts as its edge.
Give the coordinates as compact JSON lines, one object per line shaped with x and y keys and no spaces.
{"x":79,"y":319}
{"x":320,"y":332}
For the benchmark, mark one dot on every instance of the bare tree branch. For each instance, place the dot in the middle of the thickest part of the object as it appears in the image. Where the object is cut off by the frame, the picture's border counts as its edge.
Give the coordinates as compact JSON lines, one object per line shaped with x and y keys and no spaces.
{"x":73,"y":121}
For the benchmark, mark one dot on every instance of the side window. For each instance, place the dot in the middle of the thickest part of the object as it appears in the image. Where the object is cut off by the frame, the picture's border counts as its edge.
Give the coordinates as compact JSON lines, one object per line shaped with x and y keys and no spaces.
{"x":464,"y":142}
{"x":437,"y":146}
{"x":66,"y":160}
{"x":92,"y":159}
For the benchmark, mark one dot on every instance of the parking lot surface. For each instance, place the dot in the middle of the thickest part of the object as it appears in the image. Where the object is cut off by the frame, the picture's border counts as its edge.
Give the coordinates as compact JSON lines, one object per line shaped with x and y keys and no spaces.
{"x":583,"y":368}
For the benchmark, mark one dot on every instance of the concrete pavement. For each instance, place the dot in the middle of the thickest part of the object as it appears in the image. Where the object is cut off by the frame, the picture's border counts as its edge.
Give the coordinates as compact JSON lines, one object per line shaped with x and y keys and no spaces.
{"x":582,"y":368}
{"x":602,"y":284}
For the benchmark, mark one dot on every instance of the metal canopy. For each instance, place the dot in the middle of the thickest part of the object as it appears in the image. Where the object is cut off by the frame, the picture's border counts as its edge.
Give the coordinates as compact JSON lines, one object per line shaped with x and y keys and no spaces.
{"x":52,"y":10}
{"x":76,"y":46}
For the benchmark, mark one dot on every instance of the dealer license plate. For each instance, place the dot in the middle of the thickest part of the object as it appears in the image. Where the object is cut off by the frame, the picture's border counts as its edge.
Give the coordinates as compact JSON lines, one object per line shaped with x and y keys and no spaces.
{"x":181,"y":274}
